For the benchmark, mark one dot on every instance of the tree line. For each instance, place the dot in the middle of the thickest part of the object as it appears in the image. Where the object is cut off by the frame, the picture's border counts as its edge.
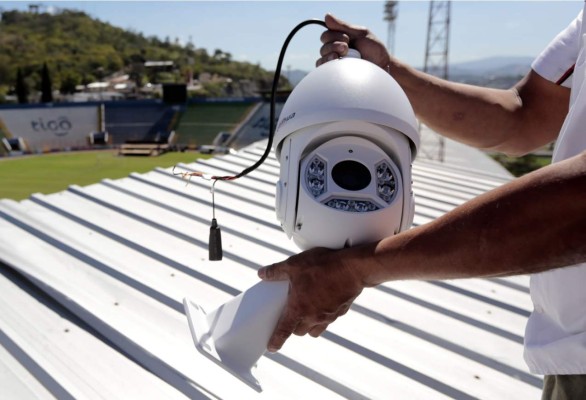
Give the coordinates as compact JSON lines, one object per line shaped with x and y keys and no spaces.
{"x":78,"y":50}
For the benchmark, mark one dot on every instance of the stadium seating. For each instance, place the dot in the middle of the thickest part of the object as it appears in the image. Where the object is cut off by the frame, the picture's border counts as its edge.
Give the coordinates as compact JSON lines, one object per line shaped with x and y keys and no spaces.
{"x":202,"y":121}
{"x":161,"y":130}
{"x":132,"y":121}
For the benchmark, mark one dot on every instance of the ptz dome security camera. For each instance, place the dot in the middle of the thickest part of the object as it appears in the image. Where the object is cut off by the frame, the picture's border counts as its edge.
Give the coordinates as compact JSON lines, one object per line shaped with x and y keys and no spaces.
{"x":345,"y":141}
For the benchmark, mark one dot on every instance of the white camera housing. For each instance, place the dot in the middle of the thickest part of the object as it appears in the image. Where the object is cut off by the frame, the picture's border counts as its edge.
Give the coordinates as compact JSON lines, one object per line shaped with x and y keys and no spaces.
{"x":345,"y":140}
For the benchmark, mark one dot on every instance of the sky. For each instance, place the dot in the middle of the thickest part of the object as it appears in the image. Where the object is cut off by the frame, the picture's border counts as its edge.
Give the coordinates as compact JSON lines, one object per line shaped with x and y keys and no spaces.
{"x":254,"y":31}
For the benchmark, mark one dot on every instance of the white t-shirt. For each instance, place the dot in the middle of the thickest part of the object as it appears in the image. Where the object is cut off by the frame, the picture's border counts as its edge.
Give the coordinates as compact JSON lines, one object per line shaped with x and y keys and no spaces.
{"x":555,"y":338}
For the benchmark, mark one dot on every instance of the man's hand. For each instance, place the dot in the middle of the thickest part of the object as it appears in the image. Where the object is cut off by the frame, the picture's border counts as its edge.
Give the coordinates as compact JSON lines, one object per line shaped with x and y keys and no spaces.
{"x":341,"y":35}
{"x":322,"y":287}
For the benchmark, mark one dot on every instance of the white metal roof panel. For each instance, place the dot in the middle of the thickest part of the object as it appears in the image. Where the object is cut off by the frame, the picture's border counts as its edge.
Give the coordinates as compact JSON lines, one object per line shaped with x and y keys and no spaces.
{"x":120,"y":255}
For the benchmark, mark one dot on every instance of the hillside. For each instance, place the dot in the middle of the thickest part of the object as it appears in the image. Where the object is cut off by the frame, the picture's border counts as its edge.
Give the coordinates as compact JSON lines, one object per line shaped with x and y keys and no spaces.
{"x":492,"y":71}
{"x":496,"y":72}
{"x":79,"y":49}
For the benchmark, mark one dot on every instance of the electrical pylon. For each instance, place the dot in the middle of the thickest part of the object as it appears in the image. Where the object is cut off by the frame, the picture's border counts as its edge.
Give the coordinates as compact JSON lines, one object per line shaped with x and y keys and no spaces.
{"x":436,"y":56}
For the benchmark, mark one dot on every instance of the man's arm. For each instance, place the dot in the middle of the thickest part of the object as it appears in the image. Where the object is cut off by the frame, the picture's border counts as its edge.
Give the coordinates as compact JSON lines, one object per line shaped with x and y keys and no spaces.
{"x":533,"y":224}
{"x":536,"y":223}
{"x":514,"y":121}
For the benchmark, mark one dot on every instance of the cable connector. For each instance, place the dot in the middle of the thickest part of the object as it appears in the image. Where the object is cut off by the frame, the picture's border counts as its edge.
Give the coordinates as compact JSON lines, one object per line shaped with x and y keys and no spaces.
{"x":215,"y":243}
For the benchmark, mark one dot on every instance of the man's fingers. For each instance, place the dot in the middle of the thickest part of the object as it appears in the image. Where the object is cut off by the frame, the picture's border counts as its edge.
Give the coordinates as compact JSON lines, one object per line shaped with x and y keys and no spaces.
{"x":317,"y":330}
{"x":285,"y":327}
{"x":344,"y":309}
{"x":353,"y":31}
{"x":312,"y":330}
{"x":275,"y":272}
{"x":338,"y":38}
{"x":302,"y":329}
{"x":327,"y":58}
{"x":334,"y":36}
{"x":340,"y":48}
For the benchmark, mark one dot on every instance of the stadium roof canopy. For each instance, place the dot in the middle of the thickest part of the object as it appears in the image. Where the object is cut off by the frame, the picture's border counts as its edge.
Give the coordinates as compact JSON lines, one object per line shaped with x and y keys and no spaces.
{"x":93,"y":279}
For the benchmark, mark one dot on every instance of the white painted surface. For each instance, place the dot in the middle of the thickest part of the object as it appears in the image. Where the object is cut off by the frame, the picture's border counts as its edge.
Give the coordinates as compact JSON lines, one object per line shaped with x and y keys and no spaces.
{"x":46,"y":128}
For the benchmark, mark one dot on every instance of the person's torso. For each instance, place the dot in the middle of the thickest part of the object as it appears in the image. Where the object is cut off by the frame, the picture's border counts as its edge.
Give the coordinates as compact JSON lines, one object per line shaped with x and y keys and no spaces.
{"x":556,"y":331}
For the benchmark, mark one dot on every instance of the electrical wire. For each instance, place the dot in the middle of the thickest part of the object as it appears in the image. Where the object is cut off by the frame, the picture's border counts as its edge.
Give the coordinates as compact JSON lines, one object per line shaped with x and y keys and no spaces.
{"x":276,"y":78}
{"x":215,"y":239}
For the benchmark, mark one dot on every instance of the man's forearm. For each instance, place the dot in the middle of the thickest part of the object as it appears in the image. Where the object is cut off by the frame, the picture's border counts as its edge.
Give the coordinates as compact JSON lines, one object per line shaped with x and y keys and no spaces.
{"x":514,"y":121}
{"x":533,"y":224}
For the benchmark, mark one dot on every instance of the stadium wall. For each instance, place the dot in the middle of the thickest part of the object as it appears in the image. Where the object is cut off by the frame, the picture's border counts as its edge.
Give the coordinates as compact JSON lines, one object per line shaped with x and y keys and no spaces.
{"x":50,"y":128}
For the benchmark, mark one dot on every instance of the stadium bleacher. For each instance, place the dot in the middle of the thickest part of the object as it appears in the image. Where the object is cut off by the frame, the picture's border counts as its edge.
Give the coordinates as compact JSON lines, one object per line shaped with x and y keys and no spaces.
{"x":239,"y":122}
{"x":161,"y":129}
{"x":159,"y":137}
{"x":132,"y":121}
{"x":255,"y":126}
{"x":201,"y":121}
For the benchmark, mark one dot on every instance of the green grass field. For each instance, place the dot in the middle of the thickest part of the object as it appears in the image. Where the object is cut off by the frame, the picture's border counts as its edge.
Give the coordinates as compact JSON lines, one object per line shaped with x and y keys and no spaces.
{"x":49,"y":173}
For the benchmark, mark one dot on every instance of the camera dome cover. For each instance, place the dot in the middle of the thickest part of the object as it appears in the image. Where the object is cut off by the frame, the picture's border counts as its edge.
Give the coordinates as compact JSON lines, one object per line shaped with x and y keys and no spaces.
{"x":348,"y":89}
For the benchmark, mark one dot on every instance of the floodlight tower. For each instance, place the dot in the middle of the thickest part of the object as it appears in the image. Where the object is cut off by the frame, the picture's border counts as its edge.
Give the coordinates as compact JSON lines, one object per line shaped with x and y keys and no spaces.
{"x":436,"y":51}
{"x":391,"y":11}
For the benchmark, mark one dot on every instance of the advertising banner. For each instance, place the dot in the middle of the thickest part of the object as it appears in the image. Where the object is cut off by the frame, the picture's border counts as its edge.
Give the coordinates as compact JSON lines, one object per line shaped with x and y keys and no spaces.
{"x":50,"y":128}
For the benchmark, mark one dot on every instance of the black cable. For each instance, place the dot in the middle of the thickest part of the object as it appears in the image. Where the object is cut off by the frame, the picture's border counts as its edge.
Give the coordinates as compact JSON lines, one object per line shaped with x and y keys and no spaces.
{"x":273,"y":100}
{"x":215,"y":240}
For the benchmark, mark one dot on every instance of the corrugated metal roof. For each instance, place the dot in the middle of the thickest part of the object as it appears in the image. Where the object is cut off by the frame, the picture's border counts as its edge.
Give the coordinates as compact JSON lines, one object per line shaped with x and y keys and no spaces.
{"x":93,"y":281}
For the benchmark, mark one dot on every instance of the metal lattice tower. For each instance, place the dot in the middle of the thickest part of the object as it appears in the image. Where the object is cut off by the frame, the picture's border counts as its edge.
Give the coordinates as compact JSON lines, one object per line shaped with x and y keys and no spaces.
{"x":391,"y":11}
{"x":436,"y":53}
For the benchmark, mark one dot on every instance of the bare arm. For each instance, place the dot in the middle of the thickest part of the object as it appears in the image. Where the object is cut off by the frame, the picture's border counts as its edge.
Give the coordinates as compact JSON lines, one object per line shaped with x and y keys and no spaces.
{"x":513,"y":121}
{"x":533,"y":224}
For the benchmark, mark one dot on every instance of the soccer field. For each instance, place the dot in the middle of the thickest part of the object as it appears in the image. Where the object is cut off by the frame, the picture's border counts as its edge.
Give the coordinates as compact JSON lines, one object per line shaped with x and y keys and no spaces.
{"x":49,"y":173}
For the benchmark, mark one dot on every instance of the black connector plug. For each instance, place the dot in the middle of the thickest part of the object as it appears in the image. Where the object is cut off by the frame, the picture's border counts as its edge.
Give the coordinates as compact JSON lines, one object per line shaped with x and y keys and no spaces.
{"x":215,"y":243}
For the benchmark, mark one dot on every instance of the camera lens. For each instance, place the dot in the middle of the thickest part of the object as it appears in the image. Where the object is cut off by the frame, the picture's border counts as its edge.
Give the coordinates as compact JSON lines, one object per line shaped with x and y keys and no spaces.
{"x":351,"y":175}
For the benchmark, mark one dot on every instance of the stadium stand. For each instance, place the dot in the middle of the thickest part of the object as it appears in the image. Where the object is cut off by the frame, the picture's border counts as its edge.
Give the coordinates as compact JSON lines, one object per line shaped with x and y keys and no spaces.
{"x":132,"y":120}
{"x":202,"y":121}
{"x":161,"y":130}
{"x":254,"y":127}
{"x":150,"y":127}
{"x":149,"y":137}
{"x":159,"y":137}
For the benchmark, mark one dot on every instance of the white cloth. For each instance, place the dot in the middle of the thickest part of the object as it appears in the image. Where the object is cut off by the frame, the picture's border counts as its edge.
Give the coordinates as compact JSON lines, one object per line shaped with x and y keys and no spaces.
{"x":555,"y":338}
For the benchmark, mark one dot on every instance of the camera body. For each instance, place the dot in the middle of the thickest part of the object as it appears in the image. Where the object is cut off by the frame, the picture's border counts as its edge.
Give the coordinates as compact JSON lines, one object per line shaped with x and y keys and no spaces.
{"x":345,"y":141}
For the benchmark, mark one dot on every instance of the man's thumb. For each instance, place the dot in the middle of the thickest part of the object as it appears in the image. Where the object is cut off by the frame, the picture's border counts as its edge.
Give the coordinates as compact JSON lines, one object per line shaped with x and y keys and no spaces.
{"x":275,"y":272}
{"x":353,"y":31}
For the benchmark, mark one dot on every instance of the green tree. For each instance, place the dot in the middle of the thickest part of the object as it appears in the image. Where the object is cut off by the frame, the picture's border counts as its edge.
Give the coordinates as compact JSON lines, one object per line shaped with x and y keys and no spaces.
{"x":46,"y":86}
{"x":69,"y":81}
{"x":21,"y":88}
